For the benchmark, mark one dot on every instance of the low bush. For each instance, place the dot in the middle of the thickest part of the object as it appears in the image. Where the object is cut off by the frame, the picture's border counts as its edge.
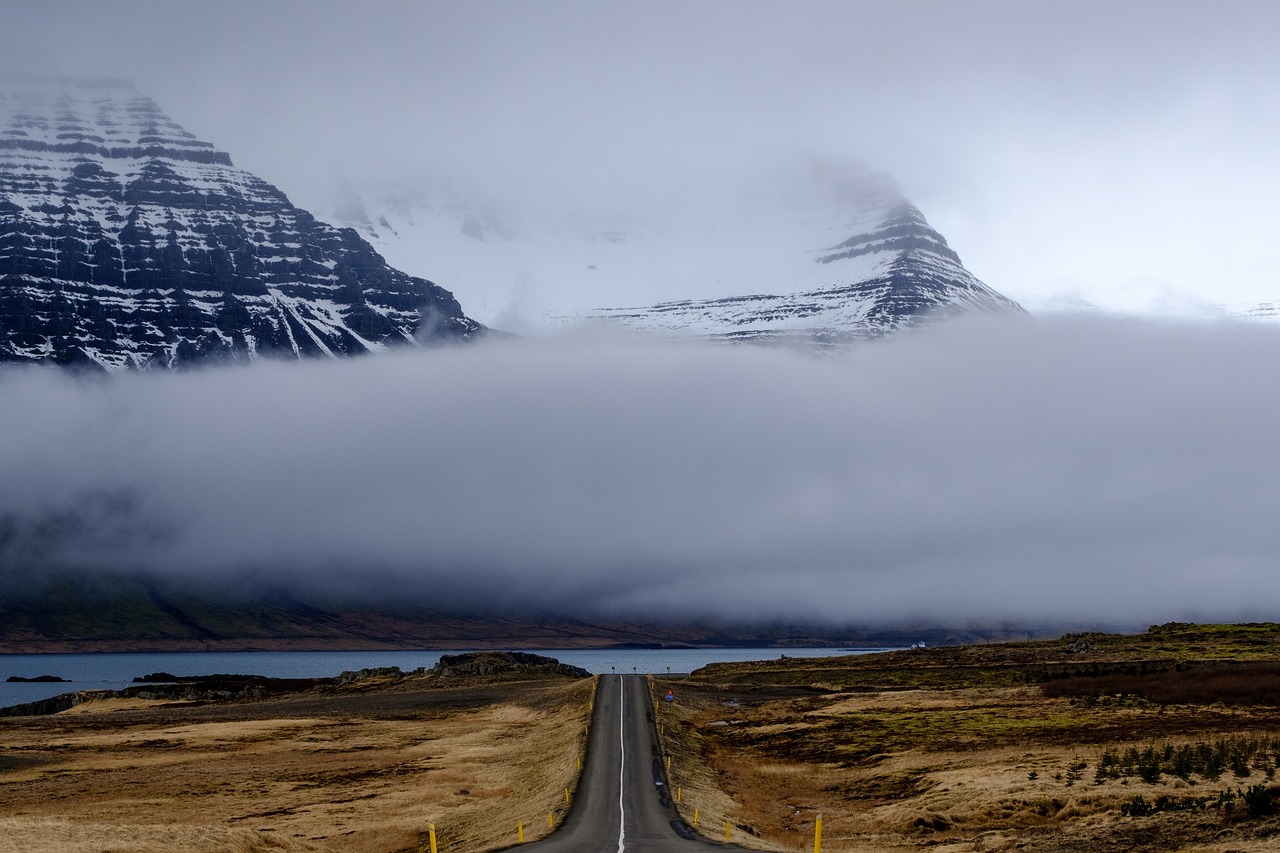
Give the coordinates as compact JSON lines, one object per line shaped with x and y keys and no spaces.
{"x":1205,"y":759}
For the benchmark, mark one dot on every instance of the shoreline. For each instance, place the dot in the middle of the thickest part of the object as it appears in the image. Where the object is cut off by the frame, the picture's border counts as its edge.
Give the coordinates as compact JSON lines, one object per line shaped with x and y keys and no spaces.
{"x":345,"y":644}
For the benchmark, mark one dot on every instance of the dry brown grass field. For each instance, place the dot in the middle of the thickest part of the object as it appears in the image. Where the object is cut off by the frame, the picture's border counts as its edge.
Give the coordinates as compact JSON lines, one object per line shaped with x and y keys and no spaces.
{"x":1166,"y":741}
{"x":357,"y":770}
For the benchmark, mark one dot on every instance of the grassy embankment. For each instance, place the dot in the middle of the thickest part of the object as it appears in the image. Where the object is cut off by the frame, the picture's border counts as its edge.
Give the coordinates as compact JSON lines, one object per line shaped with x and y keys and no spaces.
{"x":1164,"y":741}
{"x":358,"y":769}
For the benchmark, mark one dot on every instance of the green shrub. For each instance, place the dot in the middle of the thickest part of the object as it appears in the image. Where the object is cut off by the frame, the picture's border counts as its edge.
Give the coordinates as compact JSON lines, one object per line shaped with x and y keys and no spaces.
{"x":1260,"y":801}
{"x":1137,"y":807}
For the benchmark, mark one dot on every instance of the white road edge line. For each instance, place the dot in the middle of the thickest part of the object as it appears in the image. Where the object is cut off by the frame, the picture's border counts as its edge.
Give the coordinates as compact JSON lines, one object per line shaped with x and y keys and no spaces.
{"x":622,"y":764}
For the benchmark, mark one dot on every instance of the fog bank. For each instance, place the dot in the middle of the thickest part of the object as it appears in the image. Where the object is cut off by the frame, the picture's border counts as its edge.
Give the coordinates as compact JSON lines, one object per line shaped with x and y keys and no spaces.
{"x":1090,"y":470}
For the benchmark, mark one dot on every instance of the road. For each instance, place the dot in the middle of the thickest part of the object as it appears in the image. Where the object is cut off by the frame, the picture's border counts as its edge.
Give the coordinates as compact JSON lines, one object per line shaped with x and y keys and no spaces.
{"x":621,"y":803}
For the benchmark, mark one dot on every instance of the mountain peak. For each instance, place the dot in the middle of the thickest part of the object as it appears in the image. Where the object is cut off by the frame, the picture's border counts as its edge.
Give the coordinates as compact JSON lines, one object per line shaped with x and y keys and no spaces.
{"x":778,"y":255}
{"x":902,"y":228}
{"x":894,"y":271}
{"x":125,"y":240}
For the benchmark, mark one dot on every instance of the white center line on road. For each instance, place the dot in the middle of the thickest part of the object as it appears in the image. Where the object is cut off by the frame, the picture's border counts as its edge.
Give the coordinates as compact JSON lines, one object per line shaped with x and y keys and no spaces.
{"x":622,"y":765}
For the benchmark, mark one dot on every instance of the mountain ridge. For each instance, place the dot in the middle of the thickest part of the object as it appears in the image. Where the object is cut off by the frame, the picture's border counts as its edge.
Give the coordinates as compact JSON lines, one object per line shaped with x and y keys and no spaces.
{"x":69,"y":611}
{"x":125,"y":241}
{"x":834,"y":253}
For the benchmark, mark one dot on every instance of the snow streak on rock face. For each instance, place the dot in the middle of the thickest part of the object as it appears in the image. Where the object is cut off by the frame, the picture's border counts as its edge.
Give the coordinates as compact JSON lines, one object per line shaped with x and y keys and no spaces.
{"x":1266,"y":311}
{"x":894,"y":272}
{"x":127,"y":242}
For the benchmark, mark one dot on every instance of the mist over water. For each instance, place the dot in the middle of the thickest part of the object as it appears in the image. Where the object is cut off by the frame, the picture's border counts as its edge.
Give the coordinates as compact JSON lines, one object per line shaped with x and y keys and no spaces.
{"x":1091,"y":470}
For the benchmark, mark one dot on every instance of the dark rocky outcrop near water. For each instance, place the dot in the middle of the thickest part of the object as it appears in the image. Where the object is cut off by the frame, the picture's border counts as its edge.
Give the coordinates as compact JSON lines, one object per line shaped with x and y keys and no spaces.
{"x":224,"y":687}
{"x":471,"y":664}
{"x":189,"y":688}
{"x":219,"y":687}
{"x":501,"y":663}
{"x":375,"y":673}
{"x":54,"y":704}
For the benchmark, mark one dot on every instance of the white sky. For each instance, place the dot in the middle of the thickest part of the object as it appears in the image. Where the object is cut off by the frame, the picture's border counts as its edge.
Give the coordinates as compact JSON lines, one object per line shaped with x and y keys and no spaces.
{"x":1121,"y":153}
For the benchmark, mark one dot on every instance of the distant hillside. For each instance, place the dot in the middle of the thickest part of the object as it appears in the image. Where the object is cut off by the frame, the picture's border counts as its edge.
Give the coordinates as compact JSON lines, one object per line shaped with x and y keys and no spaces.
{"x":76,"y":611}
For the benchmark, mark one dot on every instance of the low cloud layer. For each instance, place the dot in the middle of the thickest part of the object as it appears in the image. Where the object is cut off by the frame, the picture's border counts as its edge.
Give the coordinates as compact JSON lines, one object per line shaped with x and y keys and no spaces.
{"x":1090,"y":470}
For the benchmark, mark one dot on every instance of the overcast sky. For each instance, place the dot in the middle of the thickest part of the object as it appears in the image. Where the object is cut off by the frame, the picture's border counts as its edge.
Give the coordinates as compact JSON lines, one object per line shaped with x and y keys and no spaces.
{"x":1122,"y":153}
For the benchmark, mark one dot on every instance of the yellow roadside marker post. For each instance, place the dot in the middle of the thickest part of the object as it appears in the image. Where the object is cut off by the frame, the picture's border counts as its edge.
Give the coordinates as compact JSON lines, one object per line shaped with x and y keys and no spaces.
{"x":431,"y":836}
{"x":678,"y":791}
{"x":551,"y":821}
{"x":566,"y":793}
{"x":727,"y":829}
{"x":520,"y":833}
{"x":695,"y":818}
{"x":817,"y":835}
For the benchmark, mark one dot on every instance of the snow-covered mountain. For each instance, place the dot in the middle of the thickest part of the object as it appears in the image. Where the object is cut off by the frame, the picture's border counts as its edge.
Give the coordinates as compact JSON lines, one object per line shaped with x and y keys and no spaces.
{"x":831,"y":254}
{"x":894,"y":272}
{"x":126,"y":241}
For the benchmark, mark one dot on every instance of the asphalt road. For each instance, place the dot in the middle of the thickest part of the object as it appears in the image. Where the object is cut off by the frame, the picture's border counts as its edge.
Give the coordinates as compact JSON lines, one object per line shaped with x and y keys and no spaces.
{"x":622,"y":802}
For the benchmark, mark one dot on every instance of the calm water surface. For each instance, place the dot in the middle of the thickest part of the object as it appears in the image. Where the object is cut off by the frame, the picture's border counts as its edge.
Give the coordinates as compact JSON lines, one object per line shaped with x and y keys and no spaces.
{"x":115,"y":671}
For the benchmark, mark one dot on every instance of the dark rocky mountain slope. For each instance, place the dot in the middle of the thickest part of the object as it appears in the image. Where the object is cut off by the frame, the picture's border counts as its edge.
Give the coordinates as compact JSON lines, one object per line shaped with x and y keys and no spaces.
{"x":125,"y":241}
